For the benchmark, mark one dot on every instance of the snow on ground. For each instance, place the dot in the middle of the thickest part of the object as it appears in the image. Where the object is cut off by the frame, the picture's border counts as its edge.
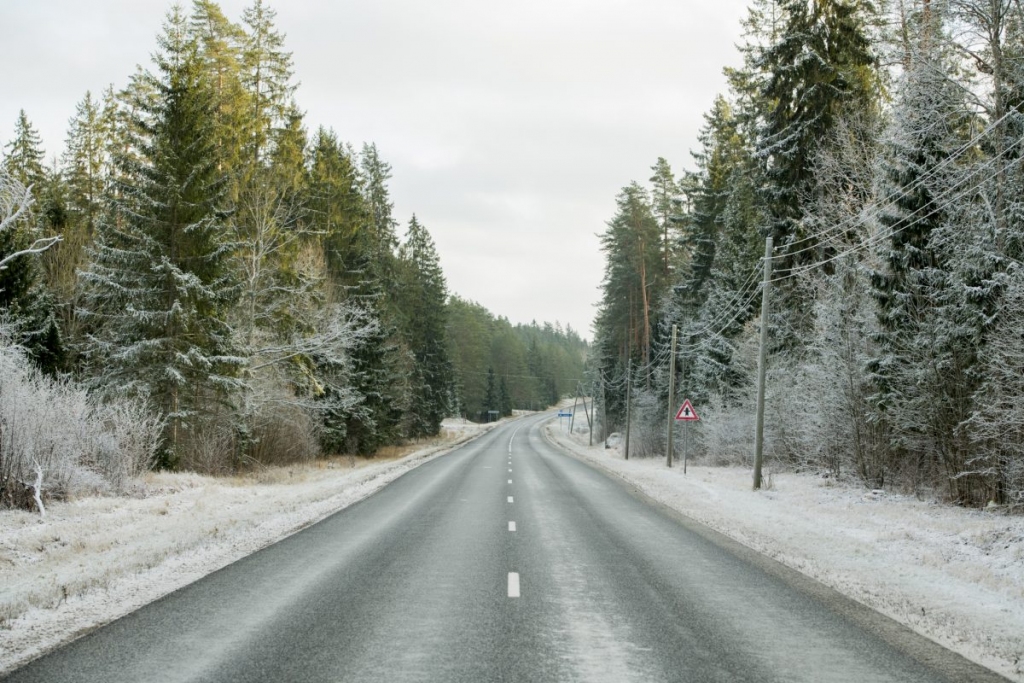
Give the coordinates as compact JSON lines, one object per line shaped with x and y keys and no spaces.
{"x":953,"y":575}
{"x":93,"y":560}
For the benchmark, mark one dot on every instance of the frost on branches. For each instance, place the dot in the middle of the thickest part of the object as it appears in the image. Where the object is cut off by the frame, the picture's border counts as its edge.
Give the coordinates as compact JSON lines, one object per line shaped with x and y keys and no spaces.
{"x":57,"y":441}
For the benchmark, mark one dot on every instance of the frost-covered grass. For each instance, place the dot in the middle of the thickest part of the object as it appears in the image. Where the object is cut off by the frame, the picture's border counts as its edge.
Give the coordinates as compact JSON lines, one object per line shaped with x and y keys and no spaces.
{"x":94,"y":559}
{"x":954,"y":575}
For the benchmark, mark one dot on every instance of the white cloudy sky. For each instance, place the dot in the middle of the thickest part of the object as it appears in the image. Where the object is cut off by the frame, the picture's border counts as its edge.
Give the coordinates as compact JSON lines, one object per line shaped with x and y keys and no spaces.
{"x":510,"y":126}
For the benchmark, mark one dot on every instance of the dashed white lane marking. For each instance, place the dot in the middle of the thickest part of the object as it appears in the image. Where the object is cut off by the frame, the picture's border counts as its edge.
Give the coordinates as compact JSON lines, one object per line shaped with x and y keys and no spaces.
{"x":511,"y":526}
{"x":510,"y":481}
{"x":511,"y":438}
{"x":510,"y":499}
{"x":510,"y":470}
{"x":513,"y":585}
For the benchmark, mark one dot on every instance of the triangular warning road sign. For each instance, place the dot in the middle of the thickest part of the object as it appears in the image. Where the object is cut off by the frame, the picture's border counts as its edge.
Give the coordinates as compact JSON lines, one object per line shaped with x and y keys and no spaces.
{"x":686,"y":412}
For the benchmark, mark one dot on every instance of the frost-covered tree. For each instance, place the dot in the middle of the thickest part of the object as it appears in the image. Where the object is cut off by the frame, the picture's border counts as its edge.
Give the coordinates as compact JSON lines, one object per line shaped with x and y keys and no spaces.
{"x":820,"y":67}
{"x":160,"y":286}
{"x":24,"y":302}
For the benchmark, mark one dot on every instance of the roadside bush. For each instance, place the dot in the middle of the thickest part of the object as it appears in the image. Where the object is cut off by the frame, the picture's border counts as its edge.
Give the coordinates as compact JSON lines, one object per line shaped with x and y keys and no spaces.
{"x":52,"y":430}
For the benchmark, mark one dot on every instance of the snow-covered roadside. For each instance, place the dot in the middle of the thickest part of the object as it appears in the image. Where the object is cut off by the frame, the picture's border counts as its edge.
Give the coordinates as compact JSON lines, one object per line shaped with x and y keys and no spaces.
{"x":953,"y":575}
{"x":96,"y":559}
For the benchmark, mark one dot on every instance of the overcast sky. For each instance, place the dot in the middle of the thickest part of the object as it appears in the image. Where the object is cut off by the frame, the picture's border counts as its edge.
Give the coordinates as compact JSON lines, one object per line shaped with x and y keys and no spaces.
{"x":510,"y":126}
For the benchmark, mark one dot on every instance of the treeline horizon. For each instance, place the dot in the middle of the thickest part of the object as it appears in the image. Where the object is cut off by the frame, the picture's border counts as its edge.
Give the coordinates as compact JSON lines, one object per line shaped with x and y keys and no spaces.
{"x":240,"y":276}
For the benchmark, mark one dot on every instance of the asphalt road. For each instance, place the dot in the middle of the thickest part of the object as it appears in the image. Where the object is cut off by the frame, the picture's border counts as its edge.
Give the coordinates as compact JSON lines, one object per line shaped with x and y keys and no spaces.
{"x":505,"y":560}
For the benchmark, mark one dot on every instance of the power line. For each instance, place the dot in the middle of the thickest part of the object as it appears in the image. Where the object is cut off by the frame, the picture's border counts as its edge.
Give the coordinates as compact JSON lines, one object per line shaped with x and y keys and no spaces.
{"x":836,"y":230}
{"x":882,"y":235}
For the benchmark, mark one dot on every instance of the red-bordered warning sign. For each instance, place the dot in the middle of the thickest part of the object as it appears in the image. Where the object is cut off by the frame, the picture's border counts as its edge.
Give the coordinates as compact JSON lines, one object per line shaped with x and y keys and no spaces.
{"x":686,"y":412}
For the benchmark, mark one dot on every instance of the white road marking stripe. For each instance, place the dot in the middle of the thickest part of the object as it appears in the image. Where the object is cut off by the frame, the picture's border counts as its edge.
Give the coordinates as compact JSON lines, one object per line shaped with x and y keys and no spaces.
{"x":513,"y":585}
{"x":511,"y":438}
{"x":510,"y":499}
{"x":511,"y":526}
{"x":510,"y":481}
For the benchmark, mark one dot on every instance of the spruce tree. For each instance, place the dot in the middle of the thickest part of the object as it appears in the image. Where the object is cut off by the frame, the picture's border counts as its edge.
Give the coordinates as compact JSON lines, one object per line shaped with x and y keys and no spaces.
{"x":929,"y":329}
{"x":491,"y":398}
{"x":504,"y":398}
{"x":159,"y":286}
{"x":820,"y":66}
{"x":23,"y":155}
{"x":23,"y":299}
{"x":424,"y":318}
{"x":84,"y":163}
{"x":381,"y":236}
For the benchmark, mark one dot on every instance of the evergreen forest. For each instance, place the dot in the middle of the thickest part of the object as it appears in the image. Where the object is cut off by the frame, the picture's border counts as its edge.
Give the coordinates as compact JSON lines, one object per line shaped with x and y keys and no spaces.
{"x":879,"y":145}
{"x":201,"y":280}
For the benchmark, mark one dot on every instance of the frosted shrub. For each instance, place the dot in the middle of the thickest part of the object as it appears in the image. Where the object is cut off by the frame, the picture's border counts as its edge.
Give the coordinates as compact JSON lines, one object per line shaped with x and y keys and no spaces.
{"x":54,"y":427}
{"x":793,"y":417}
{"x":725,"y":434}
{"x":647,"y":431}
{"x":127,"y":440}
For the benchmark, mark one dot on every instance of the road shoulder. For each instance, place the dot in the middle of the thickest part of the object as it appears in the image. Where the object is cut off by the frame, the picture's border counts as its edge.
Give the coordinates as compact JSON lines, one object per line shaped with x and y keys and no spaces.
{"x":93,"y":560}
{"x":954,"y":576}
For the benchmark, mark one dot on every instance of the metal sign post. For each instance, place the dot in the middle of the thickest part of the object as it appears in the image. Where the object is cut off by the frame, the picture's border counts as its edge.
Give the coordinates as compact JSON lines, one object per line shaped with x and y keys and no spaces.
{"x":686,"y":415}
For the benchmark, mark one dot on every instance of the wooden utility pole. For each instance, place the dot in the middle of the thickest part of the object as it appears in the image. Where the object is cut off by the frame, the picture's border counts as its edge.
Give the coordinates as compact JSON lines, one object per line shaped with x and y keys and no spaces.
{"x":672,"y":396}
{"x":762,"y":358}
{"x":629,"y":388}
{"x":590,"y":415}
{"x":575,"y":399}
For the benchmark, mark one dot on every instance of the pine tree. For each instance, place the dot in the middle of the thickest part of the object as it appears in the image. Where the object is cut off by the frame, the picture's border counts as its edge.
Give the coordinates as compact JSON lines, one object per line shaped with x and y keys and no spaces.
{"x":266,"y":74}
{"x":288,"y":162}
{"x":159,"y":285}
{"x":25,"y":305}
{"x":74,"y":205}
{"x":219,"y":43}
{"x":632,"y":284}
{"x":665,"y":201}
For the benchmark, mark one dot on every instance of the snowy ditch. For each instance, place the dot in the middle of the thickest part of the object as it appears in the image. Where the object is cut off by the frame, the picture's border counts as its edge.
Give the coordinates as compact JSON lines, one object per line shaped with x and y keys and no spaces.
{"x":953,"y":575}
{"x":93,"y":560}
